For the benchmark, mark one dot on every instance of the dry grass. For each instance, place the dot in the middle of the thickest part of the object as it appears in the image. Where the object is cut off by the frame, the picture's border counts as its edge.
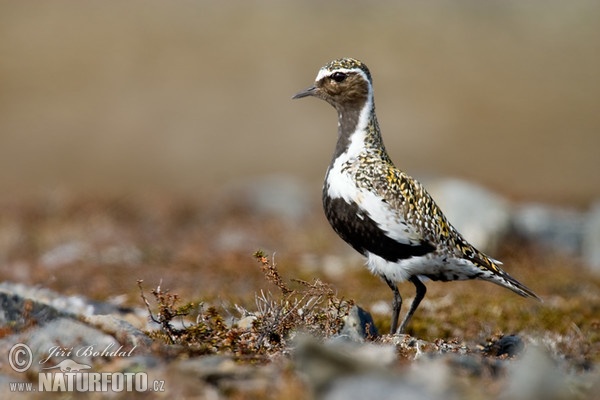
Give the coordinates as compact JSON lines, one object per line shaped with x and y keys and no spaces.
{"x":312,"y":307}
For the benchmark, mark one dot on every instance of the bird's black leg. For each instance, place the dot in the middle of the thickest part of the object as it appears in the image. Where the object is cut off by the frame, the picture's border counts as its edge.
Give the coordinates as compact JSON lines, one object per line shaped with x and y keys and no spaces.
{"x":396,"y":304}
{"x":421,"y":290}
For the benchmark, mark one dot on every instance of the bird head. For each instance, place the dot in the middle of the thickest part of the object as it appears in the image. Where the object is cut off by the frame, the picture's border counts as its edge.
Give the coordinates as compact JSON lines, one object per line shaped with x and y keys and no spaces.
{"x":344,"y":83}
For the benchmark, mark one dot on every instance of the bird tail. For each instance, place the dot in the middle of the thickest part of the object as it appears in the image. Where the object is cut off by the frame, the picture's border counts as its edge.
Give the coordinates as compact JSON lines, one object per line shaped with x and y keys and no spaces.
{"x":516,"y":286}
{"x":502,"y":278}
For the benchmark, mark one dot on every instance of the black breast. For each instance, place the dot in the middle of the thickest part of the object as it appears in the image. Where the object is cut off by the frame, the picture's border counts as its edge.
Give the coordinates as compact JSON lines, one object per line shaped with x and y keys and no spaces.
{"x":355,"y":227}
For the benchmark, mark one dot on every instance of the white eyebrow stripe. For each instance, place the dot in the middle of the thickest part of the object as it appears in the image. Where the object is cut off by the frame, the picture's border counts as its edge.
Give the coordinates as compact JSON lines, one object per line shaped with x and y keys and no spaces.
{"x":323,"y":72}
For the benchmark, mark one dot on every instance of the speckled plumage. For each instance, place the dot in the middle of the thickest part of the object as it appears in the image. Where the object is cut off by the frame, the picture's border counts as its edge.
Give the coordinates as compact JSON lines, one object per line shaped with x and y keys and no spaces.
{"x":382,"y":212}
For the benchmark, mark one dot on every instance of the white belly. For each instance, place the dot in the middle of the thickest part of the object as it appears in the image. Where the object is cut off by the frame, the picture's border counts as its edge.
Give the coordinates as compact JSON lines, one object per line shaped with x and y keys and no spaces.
{"x":434,"y":266}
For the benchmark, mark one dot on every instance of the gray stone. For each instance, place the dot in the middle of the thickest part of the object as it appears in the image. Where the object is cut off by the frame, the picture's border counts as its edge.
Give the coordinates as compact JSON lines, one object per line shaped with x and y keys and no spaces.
{"x":510,"y":345}
{"x":20,"y":313}
{"x":211,"y":367}
{"x":44,"y":320}
{"x":125,"y":333}
{"x":371,"y":386}
{"x":65,"y":253}
{"x":359,"y":325}
{"x":276,"y":195}
{"x":78,"y":340}
{"x":44,"y":305}
{"x":537,"y":376}
{"x":481,"y":216}
{"x":121,"y":254}
{"x":348,"y":370}
{"x":246,"y":322}
{"x":552,"y":227}
{"x":226,"y":374}
{"x":435,"y":373}
{"x":71,"y":305}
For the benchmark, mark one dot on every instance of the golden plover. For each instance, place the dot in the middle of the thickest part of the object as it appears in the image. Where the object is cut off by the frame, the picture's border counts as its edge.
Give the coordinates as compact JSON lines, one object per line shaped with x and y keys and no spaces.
{"x":382,"y":212}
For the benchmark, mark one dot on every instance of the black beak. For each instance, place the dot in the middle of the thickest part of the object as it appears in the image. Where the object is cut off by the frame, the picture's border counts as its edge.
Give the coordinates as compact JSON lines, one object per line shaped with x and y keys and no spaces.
{"x":311,"y":91}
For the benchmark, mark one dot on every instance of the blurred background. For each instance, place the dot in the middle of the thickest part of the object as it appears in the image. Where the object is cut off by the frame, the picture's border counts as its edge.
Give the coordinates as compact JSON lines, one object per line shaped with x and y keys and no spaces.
{"x":158,"y":141}
{"x":189,"y":96}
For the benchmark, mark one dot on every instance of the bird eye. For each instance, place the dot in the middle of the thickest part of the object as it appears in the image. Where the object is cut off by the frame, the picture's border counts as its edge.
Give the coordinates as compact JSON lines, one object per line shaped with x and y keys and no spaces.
{"x":338,"y":76}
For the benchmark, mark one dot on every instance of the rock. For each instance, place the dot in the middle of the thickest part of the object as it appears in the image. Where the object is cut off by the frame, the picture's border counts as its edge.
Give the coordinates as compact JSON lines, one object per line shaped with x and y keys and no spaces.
{"x":591,"y":238}
{"x":125,"y":333}
{"x":71,"y":305}
{"x":322,"y":364}
{"x":435,"y":373}
{"x":371,"y":386}
{"x":13,"y":312}
{"x":553,"y":227}
{"x":121,"y":254}
{"x":482,"y":216}
{"x":510,"y":345}
{"x":369,"y":353}
{"x":474,"y":365}
{"x":344,"y":370}
{"x":66,"y":253}
{"x":66,"y":327}
{"x":359,"y":325}
{"x":75,"y":340}
{"x":226,"y":374}
{"x":275,"y":195}
{"x":135,"y":363}
{"x":246,"y":322}
{"x":214,"y":367}
{"x":537,"y":376}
